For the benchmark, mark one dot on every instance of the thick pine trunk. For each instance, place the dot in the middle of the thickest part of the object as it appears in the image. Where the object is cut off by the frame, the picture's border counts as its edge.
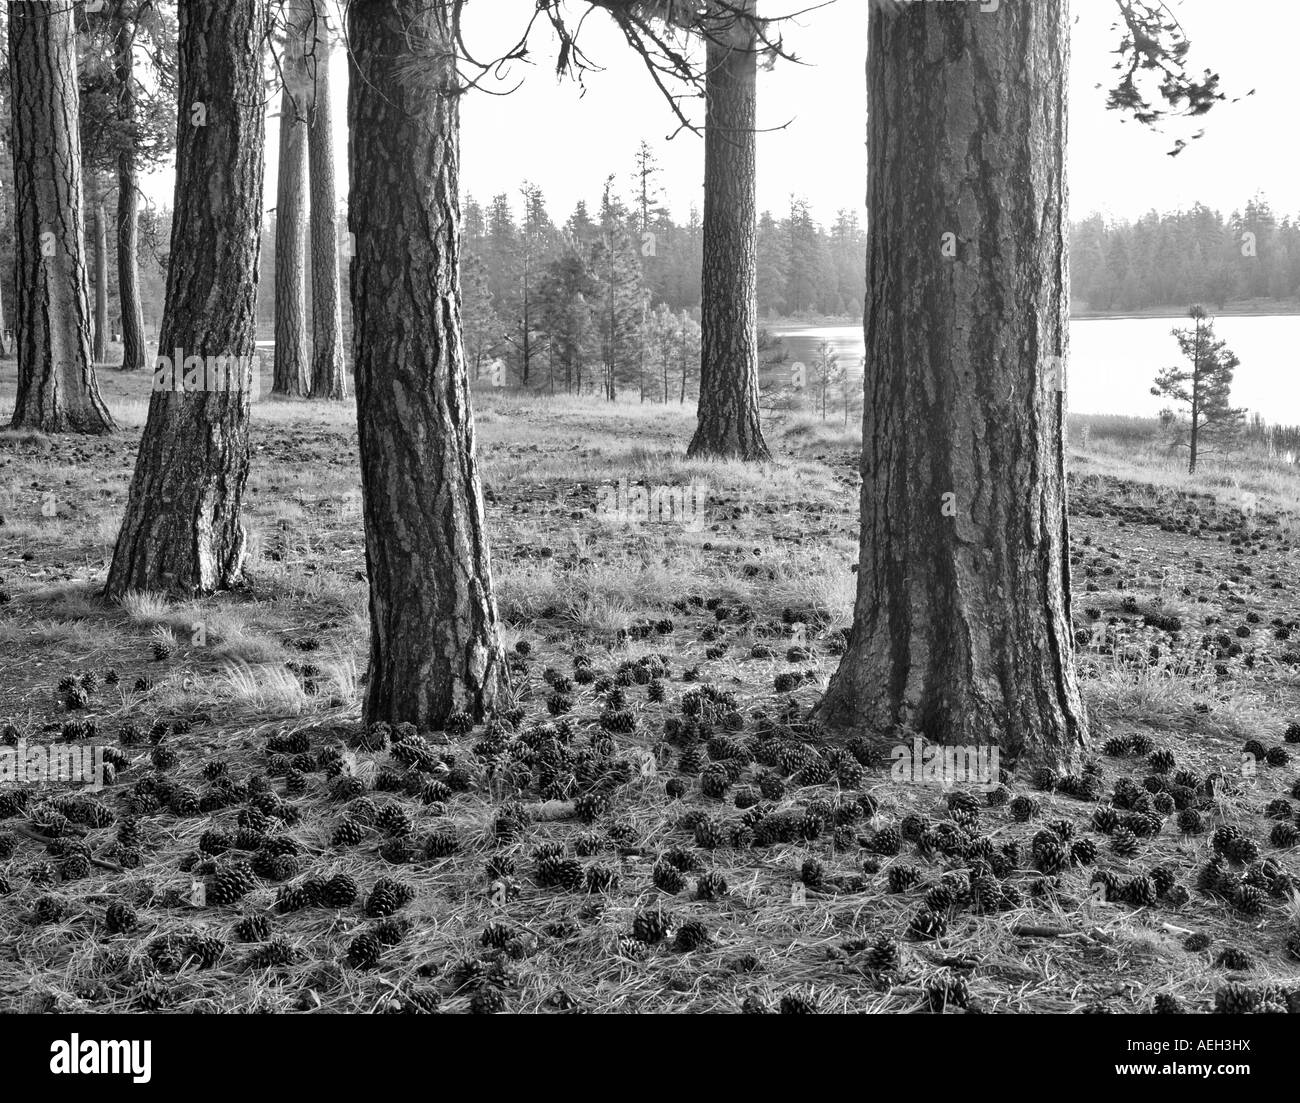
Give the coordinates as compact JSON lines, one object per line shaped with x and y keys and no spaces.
{"x":128,"y":212}
{"x":57,"y":388}
{"x":4,"y":278}
{"x":100,"y":226}
{"x":328,"y":377}
{"x":434,"y":645}
{"x":962,"y":626}
{"x":291,"y":375}
{"x":182,"y":533}
{"x":728,"y":422}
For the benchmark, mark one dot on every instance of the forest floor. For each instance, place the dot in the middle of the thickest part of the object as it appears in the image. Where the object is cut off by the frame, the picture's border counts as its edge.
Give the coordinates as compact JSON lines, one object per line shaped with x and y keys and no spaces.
{"x":634,"y":640}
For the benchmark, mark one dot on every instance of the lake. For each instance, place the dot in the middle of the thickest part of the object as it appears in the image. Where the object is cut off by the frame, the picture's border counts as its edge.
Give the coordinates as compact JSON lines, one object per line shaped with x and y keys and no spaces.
{"x":1114,"y":360}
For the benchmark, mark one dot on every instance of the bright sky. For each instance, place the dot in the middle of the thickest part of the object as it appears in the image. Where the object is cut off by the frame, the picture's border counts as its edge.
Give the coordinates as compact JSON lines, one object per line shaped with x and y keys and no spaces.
{"x":567,"y":139}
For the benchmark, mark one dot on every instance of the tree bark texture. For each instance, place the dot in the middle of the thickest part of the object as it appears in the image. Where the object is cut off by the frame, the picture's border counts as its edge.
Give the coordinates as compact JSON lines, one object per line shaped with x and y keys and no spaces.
{"x":128,"y":212}
{"x":291,"y":375}
{"x":434,"y":646}
{"x":328,"y":374}
{"x":100,"y":253}
{"x":182,"y":533}
{"x":962,"y":626}
{"x":57,"y":388}
{"x":728,"y":422}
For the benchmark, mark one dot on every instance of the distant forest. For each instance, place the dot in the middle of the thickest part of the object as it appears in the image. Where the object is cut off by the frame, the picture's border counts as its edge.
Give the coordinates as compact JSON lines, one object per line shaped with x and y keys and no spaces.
{"x":607,"y":299}
{"x":1185,"y":257}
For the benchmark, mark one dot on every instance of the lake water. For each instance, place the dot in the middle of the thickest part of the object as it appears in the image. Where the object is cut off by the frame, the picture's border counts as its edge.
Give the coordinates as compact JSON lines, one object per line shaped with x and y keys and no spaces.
{"x":1114,"y":360}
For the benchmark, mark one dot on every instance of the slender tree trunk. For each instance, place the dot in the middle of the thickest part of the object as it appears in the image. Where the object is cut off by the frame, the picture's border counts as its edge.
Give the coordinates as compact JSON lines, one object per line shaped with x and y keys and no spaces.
{"x":57,"y":388}
{"x":100,"y":253}
{"x":182,"y":533}
{"x":4,"y":279}
{"x":682,"y":400}
{"x":291,"y":369}
{"x":434,"y":645}
{"x":527,"y":345}
{"x":328,"y":374}
{"x":128,"y":211}
{"x":962,"y":630}
{"x":1196,"y":401}
{"x":728,"y":420}
{"x":613,"y":324}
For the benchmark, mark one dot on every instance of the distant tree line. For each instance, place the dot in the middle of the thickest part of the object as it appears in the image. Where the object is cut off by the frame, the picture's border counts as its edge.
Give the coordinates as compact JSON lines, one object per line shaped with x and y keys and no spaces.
{"x":518,"y":263}
{"x":1181,"y":257}
{"x":608,"y":301}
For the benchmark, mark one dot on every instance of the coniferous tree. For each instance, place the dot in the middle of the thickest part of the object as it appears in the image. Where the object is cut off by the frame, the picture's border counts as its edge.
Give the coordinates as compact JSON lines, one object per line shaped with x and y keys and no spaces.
{"x":481,"y":326}
{"x":961,"y":628}
{"x":435,"y":648}
{"x":292,"y":370}
{"x":535,"y":233}
{"x":127,"y":74}
{"x":616,"y":266}
{"x":57,"y":388}
{"x":99,"y":261}
{"x":566,"y":293}
{"x":1205,"y":387}
{"x":728,"y":423}
{"x":183,"y":533}
{"x":328,"y":377}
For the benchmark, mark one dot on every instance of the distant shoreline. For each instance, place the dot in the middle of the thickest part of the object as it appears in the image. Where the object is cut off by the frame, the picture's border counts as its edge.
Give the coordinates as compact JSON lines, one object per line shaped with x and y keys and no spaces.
{"x":1284,"y":308}
{"x":1234,"y":310}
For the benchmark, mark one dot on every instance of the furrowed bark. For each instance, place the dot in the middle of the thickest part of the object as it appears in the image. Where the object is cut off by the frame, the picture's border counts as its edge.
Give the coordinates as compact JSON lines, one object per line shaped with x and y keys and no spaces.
{"x":182,"y":532}
{"x":728,"y":421}
{"x":100,"y":253}
{"x":134,"y":354}
{"x":962,"y":625}
{"x":57,"y":388}
{"x":434,"y":645}
{"x":291,"y":366}
{"x":328,"y":375}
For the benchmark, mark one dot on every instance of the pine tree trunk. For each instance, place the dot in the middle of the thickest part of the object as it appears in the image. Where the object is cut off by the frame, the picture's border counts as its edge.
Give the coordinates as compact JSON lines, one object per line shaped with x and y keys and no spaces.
{"x":4,"y":328}
{"x":527,"y":365}
{"x":128,"y":213}
{"x":1196,"y":401}
{"x":728,"y":422}
{"x":434,"y":646}
{"x":100,"y":253}
{"x":328,"y":375}
{"x":962,"y":628}
{"x":291,"y":368}
{"x":682,"y":400}
{"x":57,"y":388}
{"x":4,"y":273}
{"x":182,"y":533}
